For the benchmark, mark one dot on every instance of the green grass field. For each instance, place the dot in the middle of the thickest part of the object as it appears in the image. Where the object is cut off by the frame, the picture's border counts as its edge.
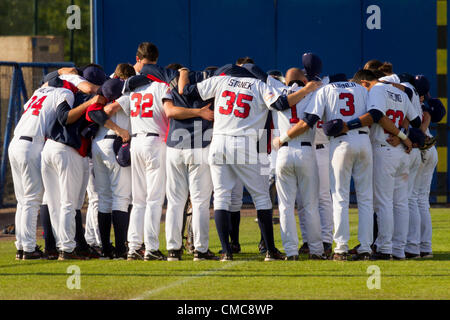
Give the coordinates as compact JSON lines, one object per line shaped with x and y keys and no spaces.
{"x":248,"y":277}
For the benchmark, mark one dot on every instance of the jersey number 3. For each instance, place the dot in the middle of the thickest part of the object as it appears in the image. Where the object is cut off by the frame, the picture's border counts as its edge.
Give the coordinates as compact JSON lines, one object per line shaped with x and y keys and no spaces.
{"x":143,"y":103}
{"x":230,"y":104}
{"x":349,"y":108}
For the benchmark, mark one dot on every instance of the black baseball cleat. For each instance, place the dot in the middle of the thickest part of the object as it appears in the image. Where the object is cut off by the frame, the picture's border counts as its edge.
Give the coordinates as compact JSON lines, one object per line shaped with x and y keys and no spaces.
{"x":398,"y":258}
{"x":363,"y":256}
{"x":292,"y":258}
{"x":36,"y":254}
{"x":174,"y":255}
{"x":327,"y":248}
{"x":235,"y":248}
{"x":51,"y":254}
{"x":354,"y":250}
{"x":63,"y":255}
{"x":262,"y":247}
{"x":19,"y":254}
{"x":134,"y":255}
{"x":226,"y":257}
{"x":120,"y":256}
{"x":412,"y":256}
{"x":313,"y":256}
{"x":426,"y":255}
{"x":304,"y":249}
{"x":274,"y":255}
{"x":107,"y":256}
{"x":208,"y":255}
{"x":88,"y":253}
{"x":340,"y":256}
{"x":155,"y":255}
{"x":381,"y":256}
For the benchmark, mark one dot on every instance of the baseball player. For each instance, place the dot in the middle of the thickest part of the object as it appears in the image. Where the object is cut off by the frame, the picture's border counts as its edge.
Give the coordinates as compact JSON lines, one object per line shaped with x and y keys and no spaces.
{"x":390,"y":163}
{"x":321,"y":145}
{"x":296,"y":168}
{"x":25,"y":159}
{"x":420,"y":227}
{"x":111,"y":180}
{"x":148,"y":106}
{"x":241,"y":108}
{"x":63,"y":171}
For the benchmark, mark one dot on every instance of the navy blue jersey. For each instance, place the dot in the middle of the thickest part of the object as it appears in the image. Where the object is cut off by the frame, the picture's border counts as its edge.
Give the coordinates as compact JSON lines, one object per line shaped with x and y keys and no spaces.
{"x":69,"y":134}
{"x":188,"y":133}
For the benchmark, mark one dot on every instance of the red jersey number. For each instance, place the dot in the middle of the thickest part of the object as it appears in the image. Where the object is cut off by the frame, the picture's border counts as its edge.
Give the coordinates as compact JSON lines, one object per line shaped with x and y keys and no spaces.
{"x":143,"y":103}
{"x":36,"y":105}
{"x":396,"y":117}
{"x":241,"y":102}
{"x":349,"y":110}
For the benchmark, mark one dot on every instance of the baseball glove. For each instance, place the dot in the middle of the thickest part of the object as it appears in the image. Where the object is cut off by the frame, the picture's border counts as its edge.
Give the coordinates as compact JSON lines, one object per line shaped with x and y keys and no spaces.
{"x":429,"y":142}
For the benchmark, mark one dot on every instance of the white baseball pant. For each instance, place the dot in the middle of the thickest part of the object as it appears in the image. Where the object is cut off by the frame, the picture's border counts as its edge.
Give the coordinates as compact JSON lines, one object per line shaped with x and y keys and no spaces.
{"x":188,"y":173}
{"x":390,"y":182}
{"x":148,"y":186}
{"x":25,"y":160}
{"x":230,"y":159}
{"x":297,"y":168}
{"x":112,"y":182}
{"x":351,"y":156}
{"x":63,"y":174}
{"x":413,"y":238}
{"x":423,"y":228}
{"x":92,"y":233}
{"x":325,"y":202}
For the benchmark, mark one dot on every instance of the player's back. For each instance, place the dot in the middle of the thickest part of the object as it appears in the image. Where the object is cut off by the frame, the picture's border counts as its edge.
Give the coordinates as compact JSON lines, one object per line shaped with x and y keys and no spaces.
{"x":240,"y":107}
{"x":342,"y":100}
{"x":394,"y":103}
{"x":145,"y":108}
{"x":40,"y":111}
{"x":286,"y":119}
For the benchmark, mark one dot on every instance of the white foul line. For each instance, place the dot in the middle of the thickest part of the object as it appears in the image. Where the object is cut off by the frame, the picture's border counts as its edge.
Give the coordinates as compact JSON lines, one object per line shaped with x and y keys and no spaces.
{"x":187,"y":279}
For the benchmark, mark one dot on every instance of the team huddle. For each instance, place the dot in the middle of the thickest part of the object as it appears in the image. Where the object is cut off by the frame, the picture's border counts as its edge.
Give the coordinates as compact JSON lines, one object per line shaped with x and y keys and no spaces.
{"x":148,"y":133}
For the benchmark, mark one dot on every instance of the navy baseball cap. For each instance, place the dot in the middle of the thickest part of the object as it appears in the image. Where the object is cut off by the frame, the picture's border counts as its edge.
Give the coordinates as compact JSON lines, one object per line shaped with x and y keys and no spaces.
{"x":416,"y":136}
{"x":338,"y":77}
{"x":422,"y":85}
{"x":436,"y":109}
{"x":333,"y":127}
{"x":406,"y":77}
{"x":95,"y":75}
{"x":122,"y":152}
{"x":313,"y":65}
{"x":111,"y":89}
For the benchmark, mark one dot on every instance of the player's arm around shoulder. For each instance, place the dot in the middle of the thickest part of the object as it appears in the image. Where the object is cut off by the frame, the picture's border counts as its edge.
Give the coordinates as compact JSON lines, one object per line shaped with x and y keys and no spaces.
{"x":181,"y":113}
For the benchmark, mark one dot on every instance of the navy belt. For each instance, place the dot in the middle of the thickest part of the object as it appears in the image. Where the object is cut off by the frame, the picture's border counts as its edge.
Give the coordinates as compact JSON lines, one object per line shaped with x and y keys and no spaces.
{"x":303,"y":144}
{"x":26,"y":138}
{"x":110,"y":136}
{"x":320,"y":146}
{"x":150,"y":134}
{"x":344,"y":134}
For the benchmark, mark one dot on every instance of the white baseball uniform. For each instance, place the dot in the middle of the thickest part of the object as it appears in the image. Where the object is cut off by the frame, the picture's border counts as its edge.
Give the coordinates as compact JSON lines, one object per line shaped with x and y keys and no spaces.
{"x":391,"y":167}
{"x":322,"y":147}
{"x":92,"y":233}
{"x":148,"y":160}
{"x":25,"y":159}
{"x":111,"y":180}
{"x":351,"y":156}
{"x":241,"y":109}
{"x":296,"y":168}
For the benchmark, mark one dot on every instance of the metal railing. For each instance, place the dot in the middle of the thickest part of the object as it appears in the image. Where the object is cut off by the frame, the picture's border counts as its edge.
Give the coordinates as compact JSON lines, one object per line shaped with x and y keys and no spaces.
{"x":17,"y":98}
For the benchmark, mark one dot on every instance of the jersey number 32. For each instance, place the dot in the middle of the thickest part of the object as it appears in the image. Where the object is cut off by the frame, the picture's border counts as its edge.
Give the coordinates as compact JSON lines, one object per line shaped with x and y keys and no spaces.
{"x":142,"y":105}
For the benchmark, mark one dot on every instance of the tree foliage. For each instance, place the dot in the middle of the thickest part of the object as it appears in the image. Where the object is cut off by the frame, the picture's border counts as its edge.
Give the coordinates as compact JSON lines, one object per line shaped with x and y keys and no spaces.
{"x":17,"y":18}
